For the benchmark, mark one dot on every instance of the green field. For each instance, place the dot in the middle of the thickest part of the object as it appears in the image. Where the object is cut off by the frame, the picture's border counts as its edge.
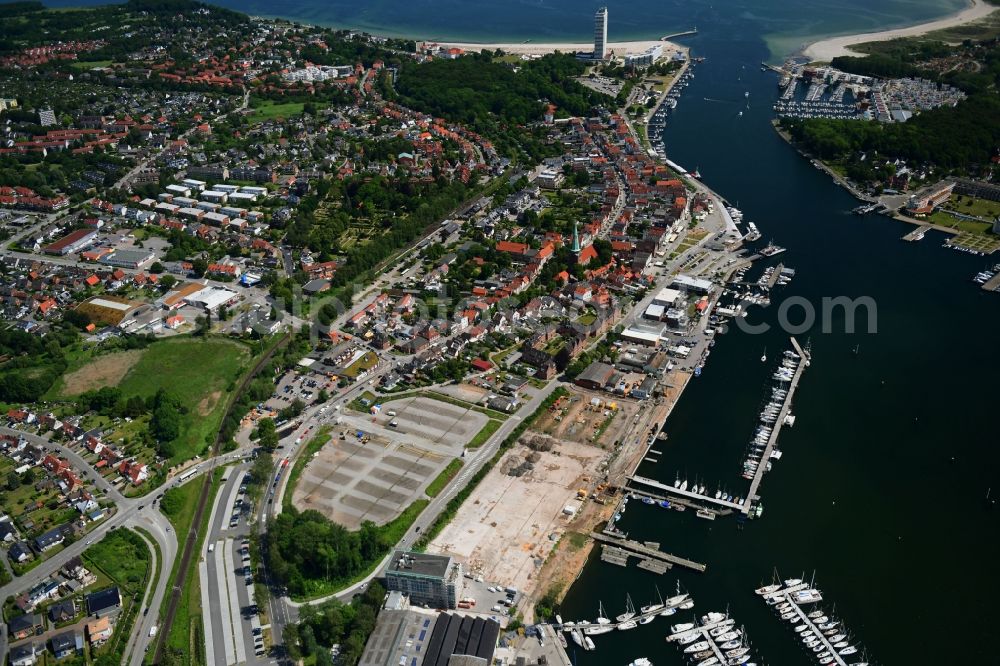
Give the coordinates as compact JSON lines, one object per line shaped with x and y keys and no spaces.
{"x":198,"y":373}
{"x":269,"y":110}
{"x":84,"y":65}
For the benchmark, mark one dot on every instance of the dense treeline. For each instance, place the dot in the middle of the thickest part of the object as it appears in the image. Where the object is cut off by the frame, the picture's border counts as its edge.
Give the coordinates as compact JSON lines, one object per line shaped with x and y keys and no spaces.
{"x":334,"y":623}
{"x":478,"y":91}
{"x":493,"y":99}
{"x":306,"y":546}
{"x":952,"y":138}
{"x":31,"y":364}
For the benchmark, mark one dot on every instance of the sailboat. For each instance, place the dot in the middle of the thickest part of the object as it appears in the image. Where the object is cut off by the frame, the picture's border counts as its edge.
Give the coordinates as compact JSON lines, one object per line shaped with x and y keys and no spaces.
{"x":629,"y":610}
{"x":763,"y":357}
{"x":856,"y":348}
{"x":602,"y":624}
{"x":649,"y":608}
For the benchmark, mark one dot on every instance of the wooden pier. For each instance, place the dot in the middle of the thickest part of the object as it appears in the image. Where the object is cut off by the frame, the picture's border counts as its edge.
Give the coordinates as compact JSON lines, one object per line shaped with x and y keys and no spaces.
{"x":773,"y":280}
{"x":772,"y":441}
{"x":993,"y":284}
{"x":643,"y":550}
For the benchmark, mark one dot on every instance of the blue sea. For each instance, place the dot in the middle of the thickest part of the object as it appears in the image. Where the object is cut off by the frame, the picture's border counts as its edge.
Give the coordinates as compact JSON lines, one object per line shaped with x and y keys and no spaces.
{"x":784,"y":25}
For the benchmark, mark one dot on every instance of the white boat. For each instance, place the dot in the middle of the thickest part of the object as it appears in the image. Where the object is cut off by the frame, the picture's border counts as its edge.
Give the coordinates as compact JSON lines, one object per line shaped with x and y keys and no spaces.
{"x":667,"y":612}
{"x":815,"y":614}
{"x":597,"y":630}
{"x":713,"y":617}
{"x":792,"y":582}
{"x":625,"y":626}
{"x":577,"y":637}
{"x":729,"y":645}
{"x":680,"y":627}
{"x":629,"y":610}
{"x":698,"y":647}
{"x":738,"y":652}
{"x":690,"y":638}
{"x":687,"y":605}
{"x":722,"y":627}
{"x":848,"y":650}
{"x":641,"y":661}
{"x":559,"y":619}
{"x":768,"y":589}
{"x":587,"y":643}
{"x":652,"y":608}
{"x":711,"y":661}
{"x":837,"y":639}
{"x":646,"y":619}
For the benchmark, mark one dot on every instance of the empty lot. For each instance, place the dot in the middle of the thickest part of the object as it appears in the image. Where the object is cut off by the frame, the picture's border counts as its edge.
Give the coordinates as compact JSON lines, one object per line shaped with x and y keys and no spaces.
{"x":503,"y":530}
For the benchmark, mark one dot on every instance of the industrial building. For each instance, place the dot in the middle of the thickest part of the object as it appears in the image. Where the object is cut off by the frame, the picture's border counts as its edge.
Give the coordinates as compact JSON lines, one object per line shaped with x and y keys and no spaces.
{"x":429,"y":580}
{"x":72,"y":242}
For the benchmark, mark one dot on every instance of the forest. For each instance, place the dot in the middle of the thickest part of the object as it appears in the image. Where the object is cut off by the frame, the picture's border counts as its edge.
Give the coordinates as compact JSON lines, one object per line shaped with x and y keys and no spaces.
{"x":493,"y":99}
{"x":304,"y":547}
{"x":335,"y":623}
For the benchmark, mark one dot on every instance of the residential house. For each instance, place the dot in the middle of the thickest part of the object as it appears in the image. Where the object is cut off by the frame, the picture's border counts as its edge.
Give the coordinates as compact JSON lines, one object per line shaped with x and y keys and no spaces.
{"x":62,"y":611}
{"x":50,"y":539}
{"x":103,"y":602}
{"x":99,"y":630}
{"x":22,"y":655}
{"x":22,"y":626}
{"x":67,"y":644}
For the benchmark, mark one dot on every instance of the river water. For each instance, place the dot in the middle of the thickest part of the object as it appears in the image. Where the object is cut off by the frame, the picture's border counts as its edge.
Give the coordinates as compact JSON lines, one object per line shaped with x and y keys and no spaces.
{"x":881,"y":490}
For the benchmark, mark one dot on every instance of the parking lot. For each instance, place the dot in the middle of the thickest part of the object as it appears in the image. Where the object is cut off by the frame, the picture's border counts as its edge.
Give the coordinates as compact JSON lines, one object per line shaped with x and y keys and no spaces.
{"x":376,"y":465}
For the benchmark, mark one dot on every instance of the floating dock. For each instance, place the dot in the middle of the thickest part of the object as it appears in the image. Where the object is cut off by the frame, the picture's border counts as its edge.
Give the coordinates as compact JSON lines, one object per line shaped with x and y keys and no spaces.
{"x":677,"y":492}
{"x":917,"y":234}
{"x":787,"y":594}
{"x":993,"y":284}
{"x":647,"y":552}
{"x":772,"y":441}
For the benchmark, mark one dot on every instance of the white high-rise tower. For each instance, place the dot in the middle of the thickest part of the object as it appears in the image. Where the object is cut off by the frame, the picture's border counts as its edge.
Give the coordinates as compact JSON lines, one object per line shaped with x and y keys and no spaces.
{"x":601,"y":33}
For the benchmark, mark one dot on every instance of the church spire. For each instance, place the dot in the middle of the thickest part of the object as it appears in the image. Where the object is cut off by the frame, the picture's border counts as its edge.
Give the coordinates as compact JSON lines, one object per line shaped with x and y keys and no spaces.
{"x":576,"y":238}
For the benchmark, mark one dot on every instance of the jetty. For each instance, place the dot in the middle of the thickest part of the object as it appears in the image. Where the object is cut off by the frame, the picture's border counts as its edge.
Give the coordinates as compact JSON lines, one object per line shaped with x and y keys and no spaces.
{"x":648,"y":552}
{"x":788,"y":594}
{"x":917,"y":234}
{"x":772,"y":441}
{"x":993,"y":284}
{"x":686,"y":33}
{"x":673,"y":492}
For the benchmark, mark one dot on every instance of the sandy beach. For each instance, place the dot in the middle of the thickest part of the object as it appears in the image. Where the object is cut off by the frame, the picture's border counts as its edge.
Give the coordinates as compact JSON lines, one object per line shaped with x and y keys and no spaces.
{"x":827,"y":49}
{"x":532,"y":48}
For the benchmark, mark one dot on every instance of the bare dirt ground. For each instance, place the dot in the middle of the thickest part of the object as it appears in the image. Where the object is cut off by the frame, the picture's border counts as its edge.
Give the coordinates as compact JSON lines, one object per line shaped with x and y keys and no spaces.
{"x":102,"y":371}
{"x":509,"y":524}
{"x":578,"y":419}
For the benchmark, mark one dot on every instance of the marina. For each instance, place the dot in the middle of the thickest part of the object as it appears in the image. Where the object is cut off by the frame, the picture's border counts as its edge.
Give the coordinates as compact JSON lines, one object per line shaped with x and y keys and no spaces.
{"x":714,"y":640}
{"x":581,"y":631}
{"x":821,"y":634}
{"x":799,"y":360}
{"x":647,"y":550}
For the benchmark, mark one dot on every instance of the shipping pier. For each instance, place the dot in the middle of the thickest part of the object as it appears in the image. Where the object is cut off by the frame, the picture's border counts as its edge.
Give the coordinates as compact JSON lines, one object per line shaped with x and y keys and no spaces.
{"x":772,"y":441}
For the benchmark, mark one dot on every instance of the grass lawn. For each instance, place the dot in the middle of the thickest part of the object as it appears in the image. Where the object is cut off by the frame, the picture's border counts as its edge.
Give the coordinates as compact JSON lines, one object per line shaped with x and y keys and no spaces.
{"x":179,"y":505}
{"x":200,"y":374}
{"x":366,"y":362}
{"x":435,"y":487}
{"x":84,"y":64}
{"x":268,"y":110}
{"x":124,"y":558}
{"x":484,"y":434}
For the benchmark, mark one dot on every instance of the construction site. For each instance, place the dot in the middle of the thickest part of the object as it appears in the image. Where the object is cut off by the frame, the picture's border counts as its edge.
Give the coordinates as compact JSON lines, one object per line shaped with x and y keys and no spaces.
{"x":539,"y":504}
